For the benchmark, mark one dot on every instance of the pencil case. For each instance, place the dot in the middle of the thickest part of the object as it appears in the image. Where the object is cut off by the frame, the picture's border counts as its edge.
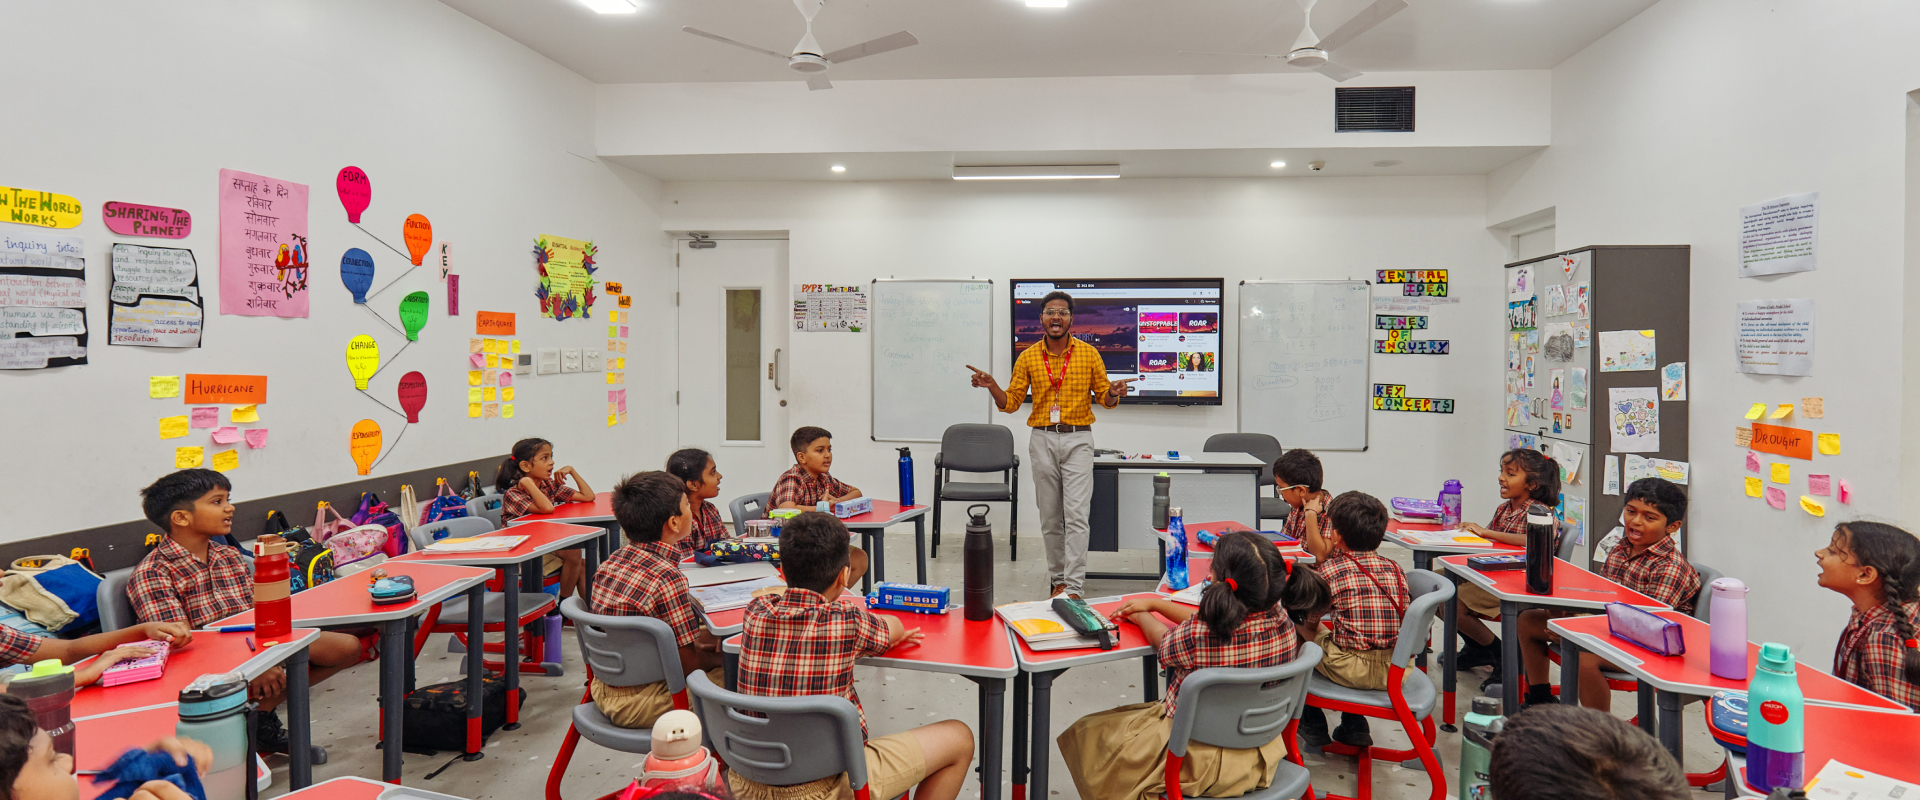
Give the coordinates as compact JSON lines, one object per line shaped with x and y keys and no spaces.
{"x":729,"y":551}
{"x":1082,"y":618}
{"x":1500,"y":563}
{"x":853,"y":508}
{"x":1416,"y":507}
{"x":1651,"y":631}
{"x":918,"y":598}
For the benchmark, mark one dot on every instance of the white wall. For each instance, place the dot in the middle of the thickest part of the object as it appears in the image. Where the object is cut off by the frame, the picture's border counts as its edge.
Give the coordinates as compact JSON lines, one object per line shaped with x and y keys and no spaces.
{"x":145,"y":103}
{"x":1663,"y":129}
{"x":1300,"y":228}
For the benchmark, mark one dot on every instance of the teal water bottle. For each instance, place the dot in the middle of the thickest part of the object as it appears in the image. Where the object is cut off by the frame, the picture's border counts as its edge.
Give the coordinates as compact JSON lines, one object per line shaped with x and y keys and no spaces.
{"x":1776,"y":722}
{"x":213,"y":710}
{"x":1476,"y":747}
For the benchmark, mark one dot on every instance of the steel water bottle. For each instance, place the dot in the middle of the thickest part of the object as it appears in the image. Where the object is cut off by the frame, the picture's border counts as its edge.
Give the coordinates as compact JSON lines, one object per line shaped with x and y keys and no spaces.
{"x":1176,"y":551}
{"x":1728,"y":620}
{"x":1450,"y":505}
{"x":906,"y":476}
{"x":977,"y":559}
{"x":1540,"y":528}
{"x":1162,"y":490}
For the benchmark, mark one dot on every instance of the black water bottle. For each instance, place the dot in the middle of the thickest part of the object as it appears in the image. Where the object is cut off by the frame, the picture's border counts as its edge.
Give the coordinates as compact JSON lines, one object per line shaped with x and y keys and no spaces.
{"x":1540,"y":548}
{"x":977,"y":553}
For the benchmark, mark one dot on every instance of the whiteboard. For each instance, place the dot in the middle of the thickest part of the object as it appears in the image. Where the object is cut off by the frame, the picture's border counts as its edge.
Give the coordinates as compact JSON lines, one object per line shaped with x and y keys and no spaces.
{"x":925,"y":333}
{"x":1303,"y":362}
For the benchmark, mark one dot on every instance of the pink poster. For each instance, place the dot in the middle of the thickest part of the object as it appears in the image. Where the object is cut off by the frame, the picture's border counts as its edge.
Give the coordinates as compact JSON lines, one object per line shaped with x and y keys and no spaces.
{"x":263,"y":246}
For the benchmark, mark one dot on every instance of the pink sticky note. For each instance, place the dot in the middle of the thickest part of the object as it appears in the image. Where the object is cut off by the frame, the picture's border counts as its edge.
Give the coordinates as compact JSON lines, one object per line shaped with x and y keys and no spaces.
{"x":1776,"y":498}
{"x":227,"y":435}
{"x":506,"y":378}
{"x":1753,"y":463}
{"x":623,"y":331}
{"x":478,"y":360}
{"x":1846,"y":491}
{"x":206,"y":417}
{"x":257,"y":438}
{"x":1819,"y":485}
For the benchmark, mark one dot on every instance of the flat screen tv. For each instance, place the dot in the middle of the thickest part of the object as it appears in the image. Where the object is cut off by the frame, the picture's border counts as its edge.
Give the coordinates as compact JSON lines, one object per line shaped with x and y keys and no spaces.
{"x":1164,"y":331}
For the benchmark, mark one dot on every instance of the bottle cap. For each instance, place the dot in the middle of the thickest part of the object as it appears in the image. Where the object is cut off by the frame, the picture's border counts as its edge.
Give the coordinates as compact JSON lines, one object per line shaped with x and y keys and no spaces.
{"x":1728,"y":586}
{"x":1162,"y":475}
{"x":1173,"y":511}
{"x":1486,"y":706}
{"x":1776,"y":657}
{"x":51,"y":666}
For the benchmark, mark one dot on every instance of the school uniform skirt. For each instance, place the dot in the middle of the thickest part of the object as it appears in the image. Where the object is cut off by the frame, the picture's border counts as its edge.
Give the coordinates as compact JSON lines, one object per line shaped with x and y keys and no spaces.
{"x":1121,"y":754}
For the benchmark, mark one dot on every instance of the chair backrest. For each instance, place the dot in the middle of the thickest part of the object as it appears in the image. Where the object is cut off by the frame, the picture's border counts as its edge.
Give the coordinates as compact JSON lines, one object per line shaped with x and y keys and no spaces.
{"x":1239,"y":708}
{"x":1429,"y":592}
{"x":487,"y":507}
{"x":793,"y":740}
{"x":456,"y":528}
{"x":116,"y":607}
{"x":1259,"y":445}
{"x":626,"y":650}
{"x":1707,"y":576}
{"x":976,"y":447}
{"x":1567,"y":542}
{"x":740,"y":506}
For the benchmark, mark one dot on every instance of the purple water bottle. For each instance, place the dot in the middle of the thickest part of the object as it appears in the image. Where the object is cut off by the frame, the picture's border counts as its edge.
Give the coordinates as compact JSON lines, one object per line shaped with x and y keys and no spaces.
{"x":1450,"y":505}
{"x":1728,"y":616}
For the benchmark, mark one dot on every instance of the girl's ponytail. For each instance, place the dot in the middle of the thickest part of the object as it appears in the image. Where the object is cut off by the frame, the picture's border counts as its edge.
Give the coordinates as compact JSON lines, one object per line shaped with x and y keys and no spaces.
{"x":1240,"y":586}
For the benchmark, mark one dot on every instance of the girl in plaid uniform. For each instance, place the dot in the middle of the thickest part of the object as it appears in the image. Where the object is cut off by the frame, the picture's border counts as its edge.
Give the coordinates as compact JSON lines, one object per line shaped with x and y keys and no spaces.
{"x":529,"y":484}
{"x":1527,"y":477}
{"x":1243,"y":621}
{"x":1877,"y":566}
{"x":695,"y":467}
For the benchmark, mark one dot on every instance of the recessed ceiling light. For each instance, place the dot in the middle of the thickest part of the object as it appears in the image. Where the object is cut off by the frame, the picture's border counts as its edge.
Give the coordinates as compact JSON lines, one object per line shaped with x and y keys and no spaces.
{"x":1277,"y":164}
{"x":839,"y":168}
{"x":613,"y":6}
{"x":1391,"y":162}
{"x":1046,"y":3}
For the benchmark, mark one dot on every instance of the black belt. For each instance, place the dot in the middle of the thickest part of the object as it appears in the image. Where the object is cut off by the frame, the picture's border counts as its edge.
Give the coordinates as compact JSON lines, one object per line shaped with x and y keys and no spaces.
{"x":1064,"y":428}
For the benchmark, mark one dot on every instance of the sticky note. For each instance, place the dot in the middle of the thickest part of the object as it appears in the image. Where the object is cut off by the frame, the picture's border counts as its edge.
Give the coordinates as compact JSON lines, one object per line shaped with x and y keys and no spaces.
{"x":475,"y":345}
{"x":506,"y":378}
{"x":1782,"y":411}
{"x":1743,"y":437}
{"x":622,"y":362}
{"x":206,"y":417}
{"x":160,"y":386}
{"x":226,"y":460}
{"x":1819,"y":485}
{"x":623,"y":416}
{"x":613,"y":345}
{"x":610,"y":378}
{"x":490,"y":394}
{"x":1813,"y":407}
{"x":477,"y":360}
{"x":188,"y":457}
{"x":623,"y":331}
{"x":173,"y":427}
{"x":473,"y":377}
{"x":516,"y":346}
{"x":1754,"y":485}
{"x":1782,"y":473}
{"x":226,"y":436}
{"x":620,"y":378}
{"x":506,"y":394}
{"x":1776,"y":498}
{"x":493,"y":346}
{"x":612,"y":331}
{"x":473,"y":410}
{"x":493,"y":410}
{"x":1829,"y":444}
{"x":1812,"y":506}
{"x":612,"y":420}
{"x":257,"y":438}
{"x":1756,"y":410}
{"x":1753,"y":463}
{"x":493,"y":361}
{"x":506,"y":410}
{"x":1846,"y":491}
{"x":245,"y":413}
{"x":475,"y":395}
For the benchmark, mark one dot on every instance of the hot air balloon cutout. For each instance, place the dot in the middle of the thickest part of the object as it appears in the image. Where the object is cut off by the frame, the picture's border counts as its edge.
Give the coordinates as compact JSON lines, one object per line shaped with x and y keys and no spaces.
{"x":364,"y":444}
{"x":356,"y":271}
{"x":566,"y":268}
{"x":413,"y":394}
{"x":363,"y":360}
{"x":356,"y":191}
{"x":413,"y":314}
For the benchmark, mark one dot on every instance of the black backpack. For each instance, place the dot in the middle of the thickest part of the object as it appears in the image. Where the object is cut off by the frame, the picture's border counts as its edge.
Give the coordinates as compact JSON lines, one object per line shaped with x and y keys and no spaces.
{"x":435,"y":717}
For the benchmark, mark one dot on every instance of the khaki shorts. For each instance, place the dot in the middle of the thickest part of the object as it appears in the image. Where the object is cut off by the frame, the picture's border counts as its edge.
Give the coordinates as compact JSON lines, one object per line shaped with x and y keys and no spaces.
{"x":637,"y":706}
{"x":1478,"y":600}
{"x":1358,"y":669}
{"x":895,"y":764}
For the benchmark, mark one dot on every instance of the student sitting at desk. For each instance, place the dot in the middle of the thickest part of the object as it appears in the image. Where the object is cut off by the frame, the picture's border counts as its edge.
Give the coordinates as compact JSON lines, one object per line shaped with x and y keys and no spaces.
{"x":1370,"y":596}
{"x":30,"y":769}
{"x":529,"y":484}
{"x":1297,"y":475}
{"x":1877,"y":566}
{"x":696,"y":469}
{"x":808,"y":482}
{"x":1527,"y":478}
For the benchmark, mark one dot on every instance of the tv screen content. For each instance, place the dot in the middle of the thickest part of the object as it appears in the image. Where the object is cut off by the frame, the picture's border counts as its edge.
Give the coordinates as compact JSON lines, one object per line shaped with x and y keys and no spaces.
{"x":1163,"y":331}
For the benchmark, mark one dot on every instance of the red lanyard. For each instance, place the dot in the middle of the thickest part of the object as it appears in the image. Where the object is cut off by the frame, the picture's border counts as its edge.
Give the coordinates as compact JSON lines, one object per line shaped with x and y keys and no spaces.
{"x":1392,"y":597}
{"x":1065,"y":362}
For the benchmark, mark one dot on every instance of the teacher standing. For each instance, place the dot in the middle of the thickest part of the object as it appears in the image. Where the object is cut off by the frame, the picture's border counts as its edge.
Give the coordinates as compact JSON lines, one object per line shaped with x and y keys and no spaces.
{"x":1066,"y":375}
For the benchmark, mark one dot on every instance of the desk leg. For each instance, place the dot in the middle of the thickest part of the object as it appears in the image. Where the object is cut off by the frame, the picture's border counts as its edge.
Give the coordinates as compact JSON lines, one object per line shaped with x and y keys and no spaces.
{"x":992,"y":727}
{"x":920,"y":547}
{"x":1509,"y":657}
{"x":730,"y":670}
{"x":393,"y":669}
{"x":1569,"y":672}
{"x":409,"y":681}
{"x":476,"y":666}
{"x":1150,"y":678}
{"x":299,"y":721}
{"x":510,"y":628}
{"x":878,"y":541}
{"x":1020,"y":709}
{"x":1669,"y":705}
{"x":1449,"y":651}
{"x":1040,"y":757}
{"x":1649,"y":718}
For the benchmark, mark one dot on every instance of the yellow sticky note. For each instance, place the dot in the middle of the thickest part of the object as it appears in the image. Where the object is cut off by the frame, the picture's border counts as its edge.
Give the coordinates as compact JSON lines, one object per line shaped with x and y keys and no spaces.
{"x":1754,"y":486}
{"x":474,"y":394}
{"x":1812,"y":506}
{"x":506,"y":410}
{"x":506,"y":394}
{"x":1756,"y":410}
{"x":473,"y":410}
{"x":622,"y":362}
{"x":1782,"y":411}
{"x":246,"y":413}
{"x":1829,"y":444}
{"x":1782,"y":473}
{"x":489,"y":397}
{"x":226,"y":460}
{"x":188,"y":457}
{"x":473,"y":377}
{"x":176,"y":427}
{"x":516,"y":346}
{"x":612,"y":420}
{"x":160,"y":386}
{"x":610,"y":378}
{"x":1648,"y":334}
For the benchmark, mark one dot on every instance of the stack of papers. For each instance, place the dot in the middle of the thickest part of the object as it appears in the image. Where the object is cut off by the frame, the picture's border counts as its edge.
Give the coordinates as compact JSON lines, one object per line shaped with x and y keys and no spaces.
{"x":728,"y":596}
{"x":1454,"y":537}
{"x":1191,"y":595}
{"x":477,"y":544}
{"x":1041,"y":628}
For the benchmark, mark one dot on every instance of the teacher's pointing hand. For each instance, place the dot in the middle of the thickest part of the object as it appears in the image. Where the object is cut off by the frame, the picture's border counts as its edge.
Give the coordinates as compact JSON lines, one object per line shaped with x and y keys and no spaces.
{"x":982,"y":380}
{"x":1121,"y":388}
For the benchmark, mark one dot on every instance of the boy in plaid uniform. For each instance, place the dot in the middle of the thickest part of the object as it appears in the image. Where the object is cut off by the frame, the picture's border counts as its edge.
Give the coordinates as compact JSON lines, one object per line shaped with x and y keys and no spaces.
{"x":644,"y":579}
{"x":804,"y":642}
{"x":1296,"y":476}
{"x":808,"y":482}
{"x":1370,"y":597}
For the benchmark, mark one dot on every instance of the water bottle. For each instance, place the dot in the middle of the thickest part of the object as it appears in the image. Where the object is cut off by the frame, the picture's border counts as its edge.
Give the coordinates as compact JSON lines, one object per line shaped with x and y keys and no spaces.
{"x":823,"y":507}
{"x":272,"y":593}
{"x":1728,"y":616}
{"x":1540,"y":529}
{"x":977,"y":558}
{"x":906,"y":476}
{"x":1162,"y":490}
{"x":1476,"y":746}
{"x":1176,"y":550}
{"x":1776,"y":724}
{"x":1450,"y":505}
{"x":213,"y":710}
{"x":48,"y":690}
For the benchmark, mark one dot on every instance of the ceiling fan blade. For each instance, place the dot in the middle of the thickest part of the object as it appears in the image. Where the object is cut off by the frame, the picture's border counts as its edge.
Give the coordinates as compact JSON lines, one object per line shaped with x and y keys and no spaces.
{"x":1338,"y":73}
{"x":1237,"y":55}
{"x":724,"y":40}
{"x":890,"y":42}
{"x":1361,"y":23}
{"x":818,"y":81}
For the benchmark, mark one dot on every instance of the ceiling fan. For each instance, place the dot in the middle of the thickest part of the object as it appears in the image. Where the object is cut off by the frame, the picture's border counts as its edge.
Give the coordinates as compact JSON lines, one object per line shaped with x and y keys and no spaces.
{"x":808,"y":58}
{"x":1310,"y":50}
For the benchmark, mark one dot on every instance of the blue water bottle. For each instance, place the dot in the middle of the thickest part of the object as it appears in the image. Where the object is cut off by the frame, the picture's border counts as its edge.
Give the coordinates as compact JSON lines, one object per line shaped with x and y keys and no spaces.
{"x":1776,"y":722}
{"x":1450,"y":505}
{"x":906,"y":476}
{"x":1176,"y":550}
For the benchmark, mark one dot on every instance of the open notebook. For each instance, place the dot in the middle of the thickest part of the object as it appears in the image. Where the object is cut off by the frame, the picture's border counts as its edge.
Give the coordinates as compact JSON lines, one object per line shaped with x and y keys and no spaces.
{"x":1041,"y":628}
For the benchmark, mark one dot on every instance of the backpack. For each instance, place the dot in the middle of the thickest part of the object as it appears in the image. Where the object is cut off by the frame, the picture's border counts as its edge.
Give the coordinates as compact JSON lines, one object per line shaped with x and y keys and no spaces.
{"x":374,"y":512}
{"x":435,"y":717}
{"x":445,"y":506}
{"x":347,"y":542}
{"x":310,"y":563}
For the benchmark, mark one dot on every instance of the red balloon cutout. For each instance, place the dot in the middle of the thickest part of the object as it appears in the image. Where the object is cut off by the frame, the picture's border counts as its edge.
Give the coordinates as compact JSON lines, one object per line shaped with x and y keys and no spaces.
{"x":413,"y":394}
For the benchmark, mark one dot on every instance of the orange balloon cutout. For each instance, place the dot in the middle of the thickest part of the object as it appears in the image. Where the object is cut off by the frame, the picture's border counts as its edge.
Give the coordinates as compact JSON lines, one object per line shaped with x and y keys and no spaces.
{"x":419,"y":236}
{"x":365,"y":444}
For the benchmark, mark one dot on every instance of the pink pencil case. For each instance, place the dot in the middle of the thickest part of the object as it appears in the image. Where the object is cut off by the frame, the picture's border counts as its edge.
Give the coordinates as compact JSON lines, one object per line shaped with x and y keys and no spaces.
{"x":139,"y":669}
{"x":1649,"y":630}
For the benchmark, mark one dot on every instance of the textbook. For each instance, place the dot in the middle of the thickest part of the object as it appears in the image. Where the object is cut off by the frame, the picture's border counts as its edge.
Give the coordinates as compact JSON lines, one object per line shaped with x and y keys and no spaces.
{"x":1041,"y":628}
{"x":728,"y":596}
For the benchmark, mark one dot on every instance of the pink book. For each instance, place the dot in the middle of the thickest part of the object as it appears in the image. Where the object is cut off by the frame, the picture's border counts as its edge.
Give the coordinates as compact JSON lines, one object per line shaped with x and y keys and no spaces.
{"x":139,"y":669}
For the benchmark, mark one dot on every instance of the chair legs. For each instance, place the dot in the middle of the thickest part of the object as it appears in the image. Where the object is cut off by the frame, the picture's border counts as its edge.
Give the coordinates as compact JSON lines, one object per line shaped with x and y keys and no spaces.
{"x":1423,"y":733}
{"x":936,"y":514}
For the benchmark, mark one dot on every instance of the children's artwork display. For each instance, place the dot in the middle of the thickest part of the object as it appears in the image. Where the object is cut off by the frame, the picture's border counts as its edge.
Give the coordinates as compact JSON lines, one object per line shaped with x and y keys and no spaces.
{"x":1577,"y":389}
{"x":1520,"y":315}
{"x":263,"y":246}
{"x":413,"y":394}
{"x":1577,"y":300}
{"x":363,"y":444}
{"x":1673,"y":381}
{"x":1520,"y":284}
{"x":1634,"y":414}
{"x":1626,"y":351}
{"x":566,"y":268}
{"x":156,"y":298}
{"x":43,"y":297}
{"x":1559,"y":342}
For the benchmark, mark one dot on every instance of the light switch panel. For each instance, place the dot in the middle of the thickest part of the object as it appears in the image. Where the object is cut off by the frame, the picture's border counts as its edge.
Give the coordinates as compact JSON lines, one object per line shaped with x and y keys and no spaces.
{"x":570,"y":359}
{"x":590,"y":361}
{"x":549,"y":362}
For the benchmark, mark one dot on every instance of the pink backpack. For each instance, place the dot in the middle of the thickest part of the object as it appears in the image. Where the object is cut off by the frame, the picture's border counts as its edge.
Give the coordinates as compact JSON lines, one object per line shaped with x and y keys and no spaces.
{"x":348,"y":543}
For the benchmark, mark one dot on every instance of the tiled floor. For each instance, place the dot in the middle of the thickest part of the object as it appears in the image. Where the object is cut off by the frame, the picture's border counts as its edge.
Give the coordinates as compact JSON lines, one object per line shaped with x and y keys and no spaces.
{"x":517,"y":762}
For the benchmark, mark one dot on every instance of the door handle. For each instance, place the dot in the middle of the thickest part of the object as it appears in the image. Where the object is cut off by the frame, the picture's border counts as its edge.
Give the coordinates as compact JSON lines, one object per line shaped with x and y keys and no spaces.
{"x":773,"y":370}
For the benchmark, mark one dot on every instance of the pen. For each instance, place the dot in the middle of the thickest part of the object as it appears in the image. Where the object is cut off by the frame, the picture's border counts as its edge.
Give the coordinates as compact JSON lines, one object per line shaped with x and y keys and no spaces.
{"x":250,"y":644}
{"x":1589,"y":591}
{"x":230,"y":628}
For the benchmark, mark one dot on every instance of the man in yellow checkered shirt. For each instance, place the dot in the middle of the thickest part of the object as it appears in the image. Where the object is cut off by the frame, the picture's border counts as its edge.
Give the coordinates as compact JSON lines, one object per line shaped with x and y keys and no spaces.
{"x":1066,"y":375}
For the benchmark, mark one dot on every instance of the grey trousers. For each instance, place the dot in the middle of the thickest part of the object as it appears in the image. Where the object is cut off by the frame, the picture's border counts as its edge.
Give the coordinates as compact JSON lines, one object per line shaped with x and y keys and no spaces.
{"x":1063,"y":488}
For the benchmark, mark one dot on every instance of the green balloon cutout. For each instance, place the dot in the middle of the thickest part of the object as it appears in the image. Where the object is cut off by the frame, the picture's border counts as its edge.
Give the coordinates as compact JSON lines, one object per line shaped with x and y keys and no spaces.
{"x":413,"y":314}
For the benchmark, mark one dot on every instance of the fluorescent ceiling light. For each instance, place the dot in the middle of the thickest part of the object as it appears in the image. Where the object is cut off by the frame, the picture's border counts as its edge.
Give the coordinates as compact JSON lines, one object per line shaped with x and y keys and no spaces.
{"x":613,"y":6}
{"x":1277,"y":164}
{"x":839,"y":168}
{"x":1046,"y":3}
{"x":1037,"y":173}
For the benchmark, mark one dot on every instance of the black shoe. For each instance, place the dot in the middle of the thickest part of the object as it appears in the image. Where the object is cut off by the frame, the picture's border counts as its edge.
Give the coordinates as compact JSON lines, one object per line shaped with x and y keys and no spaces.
{"x":269,"y":736}
{"x":1478,"y":655}
{"x":1353,"y":731}
{"x":1313,"y":728}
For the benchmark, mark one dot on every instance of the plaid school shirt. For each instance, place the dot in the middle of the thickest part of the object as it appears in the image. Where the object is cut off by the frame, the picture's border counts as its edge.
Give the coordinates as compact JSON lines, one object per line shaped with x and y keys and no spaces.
{"x":707,"y":529}
{"x":17,"y":647}
{"x":170,"y":585}
{"x":804,"y":489}
{"x":1264,"y":639}
{"x":796,"y":643}
{"x":1511,"y":517}
{"x":1296,"y":523}
{"x":1659,"y":572}
{"x":517,"y":503}
{"x":644,"y":580}
{"x":1369,"y":597}
{"x":1870,"y":652}
{"x":1083,"y":377}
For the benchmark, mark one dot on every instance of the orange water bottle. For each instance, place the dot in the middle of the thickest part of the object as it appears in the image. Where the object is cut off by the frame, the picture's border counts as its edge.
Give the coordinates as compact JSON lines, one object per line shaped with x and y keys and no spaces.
{"x":272,"y":592}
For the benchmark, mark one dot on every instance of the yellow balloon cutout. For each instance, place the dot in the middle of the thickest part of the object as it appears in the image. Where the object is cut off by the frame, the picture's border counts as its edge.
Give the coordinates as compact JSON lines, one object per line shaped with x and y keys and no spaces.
{"x":363,"y":359}
{"x":364,"y":446}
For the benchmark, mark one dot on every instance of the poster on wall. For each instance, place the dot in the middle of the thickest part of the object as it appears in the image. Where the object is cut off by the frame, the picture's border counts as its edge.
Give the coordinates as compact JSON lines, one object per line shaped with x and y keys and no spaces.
{"x":566,"y":268}
{"x":263,"y":246}
{"x":1627,"y":351}
{"x":1634,"y":415}
{"x":43,"y":299}
{"x":829,"y":308}
{"x":155,"y":298}
{"x":1780,"y":235}
{"x":1775,"y":337}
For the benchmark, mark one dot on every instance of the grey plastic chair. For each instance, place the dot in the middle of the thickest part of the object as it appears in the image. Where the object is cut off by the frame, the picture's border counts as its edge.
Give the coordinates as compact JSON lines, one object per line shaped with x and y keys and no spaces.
{"x":1242,"y":709}
{"x":758,"y":502}
{"x":116,"y":608}
{"x":793,"y":740}
{"x":1707,"y":576}
{"x":1563,"y":550}
{"x":1261,"y":446}
{"x":977,"y":447}
{"x":621,"y":651}
{"x":487,"y":507}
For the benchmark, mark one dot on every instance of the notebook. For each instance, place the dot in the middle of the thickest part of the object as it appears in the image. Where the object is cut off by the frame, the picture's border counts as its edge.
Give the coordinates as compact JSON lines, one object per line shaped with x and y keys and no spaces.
{"x":728,"y":596}
{"x":726,"y":573}
{"x":139,"y":669}
{"x":476,"y":544}
{"x":1041,"y":628}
